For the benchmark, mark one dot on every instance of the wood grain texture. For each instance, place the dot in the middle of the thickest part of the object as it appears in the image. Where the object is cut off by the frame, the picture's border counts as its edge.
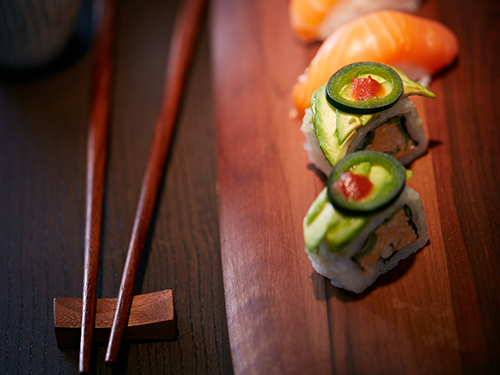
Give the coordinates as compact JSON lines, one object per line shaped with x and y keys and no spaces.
{"x":438,"y":311}
{"x":43,"y":129}
{"x":274,"y":317}
{"x":183,"y":41}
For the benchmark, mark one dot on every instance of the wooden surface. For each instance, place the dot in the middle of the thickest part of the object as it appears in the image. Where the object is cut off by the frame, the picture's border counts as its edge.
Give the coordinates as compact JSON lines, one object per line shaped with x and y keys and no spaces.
{"x":43,"y":133}
{"x":438,"y":312}
{"x":181,"y":48}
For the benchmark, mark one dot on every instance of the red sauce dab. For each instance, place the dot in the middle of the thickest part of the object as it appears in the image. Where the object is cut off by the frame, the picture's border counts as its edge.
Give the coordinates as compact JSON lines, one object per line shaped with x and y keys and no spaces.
{"x":366,"y":88}
{"x":353,"y":186}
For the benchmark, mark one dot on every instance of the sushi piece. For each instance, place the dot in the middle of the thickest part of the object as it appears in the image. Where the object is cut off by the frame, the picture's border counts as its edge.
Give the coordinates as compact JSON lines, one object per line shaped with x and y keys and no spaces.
{"x":417,"y":46}
{"x":314,"y":20}
{"x":334,"y":129}
{"x":364,"y":222}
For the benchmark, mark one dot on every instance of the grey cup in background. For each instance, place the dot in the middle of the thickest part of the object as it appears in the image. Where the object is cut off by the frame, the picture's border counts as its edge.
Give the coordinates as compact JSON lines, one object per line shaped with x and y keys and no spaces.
{"x":33,"y":32}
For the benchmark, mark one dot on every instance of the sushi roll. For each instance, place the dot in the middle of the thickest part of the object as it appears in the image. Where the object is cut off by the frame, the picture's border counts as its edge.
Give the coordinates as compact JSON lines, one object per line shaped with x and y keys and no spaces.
{"x":364,"y":221}
{"x":313,"y":20}
{"x":364,"y":106}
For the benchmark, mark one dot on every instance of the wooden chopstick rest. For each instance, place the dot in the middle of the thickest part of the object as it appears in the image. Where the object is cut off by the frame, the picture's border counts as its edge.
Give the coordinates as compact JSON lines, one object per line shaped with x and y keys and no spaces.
{"x":152,"y":317}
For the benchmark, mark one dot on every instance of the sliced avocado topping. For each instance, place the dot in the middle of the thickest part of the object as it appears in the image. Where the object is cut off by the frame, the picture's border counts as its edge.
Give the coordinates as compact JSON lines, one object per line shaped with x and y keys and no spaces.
{"x":338,"y":236}
{"x":339,"y":88}
{"x":413,"y":88}
{"x":323,"y":222}
{"x":365,"y":119}
{"x":386,"y":174}
{"x":325,"y":127}
{"x":345,"y":124}
{"x":379,"y":176}
{"x":319,"y":218}
{"x":362,"y":168}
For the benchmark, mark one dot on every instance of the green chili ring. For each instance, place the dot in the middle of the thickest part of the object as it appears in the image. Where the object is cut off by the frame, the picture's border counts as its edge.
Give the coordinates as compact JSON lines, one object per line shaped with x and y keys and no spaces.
{"x":344,"y":77}
{"x":390,"y":192}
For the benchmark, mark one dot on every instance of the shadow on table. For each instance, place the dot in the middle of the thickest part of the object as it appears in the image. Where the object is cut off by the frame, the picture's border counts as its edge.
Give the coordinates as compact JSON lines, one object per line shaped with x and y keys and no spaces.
{"x":324,"y":290}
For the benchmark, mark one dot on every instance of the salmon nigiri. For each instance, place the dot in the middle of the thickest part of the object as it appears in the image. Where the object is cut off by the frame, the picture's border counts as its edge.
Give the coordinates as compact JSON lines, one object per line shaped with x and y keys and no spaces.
{"x":313,"y":20}
{"x":417,"y":46}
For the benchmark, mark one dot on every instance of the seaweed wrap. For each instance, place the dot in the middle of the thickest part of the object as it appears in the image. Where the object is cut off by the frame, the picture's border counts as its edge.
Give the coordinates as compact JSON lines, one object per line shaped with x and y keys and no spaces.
{"x":364,"y":221}
{"x":364,"y":106}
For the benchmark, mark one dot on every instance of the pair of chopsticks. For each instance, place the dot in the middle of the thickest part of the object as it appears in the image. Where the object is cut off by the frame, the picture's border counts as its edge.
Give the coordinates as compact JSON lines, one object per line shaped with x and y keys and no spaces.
{"x":181,"y":48}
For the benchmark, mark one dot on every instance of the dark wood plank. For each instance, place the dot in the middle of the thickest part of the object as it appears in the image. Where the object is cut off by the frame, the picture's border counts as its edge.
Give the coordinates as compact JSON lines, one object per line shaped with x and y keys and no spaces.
{"x":438,"y":312}
{"x":43,"y":128}
{"x":183,"y":41}
{"x":469,"y":152}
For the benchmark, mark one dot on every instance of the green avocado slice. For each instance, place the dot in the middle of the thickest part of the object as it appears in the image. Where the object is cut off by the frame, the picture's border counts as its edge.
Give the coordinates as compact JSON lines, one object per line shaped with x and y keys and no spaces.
{"x":413,"y":88}
{"x":323,"y":222}
{"x":333,"y":139}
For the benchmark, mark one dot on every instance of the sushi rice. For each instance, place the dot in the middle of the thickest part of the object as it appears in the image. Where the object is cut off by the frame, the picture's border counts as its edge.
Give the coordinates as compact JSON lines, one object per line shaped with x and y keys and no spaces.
{"x":340,"y":267}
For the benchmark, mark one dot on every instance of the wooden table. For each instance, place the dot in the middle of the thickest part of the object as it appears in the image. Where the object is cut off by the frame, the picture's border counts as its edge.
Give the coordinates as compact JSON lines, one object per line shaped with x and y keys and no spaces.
{"x":439,"y":313}
{"x":43,"y":131}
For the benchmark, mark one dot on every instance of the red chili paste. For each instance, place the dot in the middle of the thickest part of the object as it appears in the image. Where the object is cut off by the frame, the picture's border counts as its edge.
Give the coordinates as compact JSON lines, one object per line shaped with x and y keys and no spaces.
{"x":366,"y":88}
{"x":353,"y":186}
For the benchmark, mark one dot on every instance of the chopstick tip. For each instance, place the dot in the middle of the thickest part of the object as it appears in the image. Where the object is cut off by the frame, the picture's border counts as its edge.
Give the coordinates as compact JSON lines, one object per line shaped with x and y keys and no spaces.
{"x":83,"y":369}
{"x":110,"y":359}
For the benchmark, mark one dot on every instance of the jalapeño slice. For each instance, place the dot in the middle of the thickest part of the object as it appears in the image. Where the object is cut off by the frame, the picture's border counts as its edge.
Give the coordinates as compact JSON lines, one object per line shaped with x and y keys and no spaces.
{"x":383,"y":172}
{"x":339,"y":88}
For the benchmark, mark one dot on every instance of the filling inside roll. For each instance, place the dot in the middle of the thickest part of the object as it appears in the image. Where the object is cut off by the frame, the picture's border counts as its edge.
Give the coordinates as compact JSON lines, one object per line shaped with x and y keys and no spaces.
{"x":391,"y":138}
{"x":394,"y":234}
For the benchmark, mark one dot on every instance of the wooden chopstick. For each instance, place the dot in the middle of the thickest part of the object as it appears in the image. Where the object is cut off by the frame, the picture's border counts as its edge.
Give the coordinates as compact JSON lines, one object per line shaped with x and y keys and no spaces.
{"x":97,"y":143}
{"x":181,"y":48}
